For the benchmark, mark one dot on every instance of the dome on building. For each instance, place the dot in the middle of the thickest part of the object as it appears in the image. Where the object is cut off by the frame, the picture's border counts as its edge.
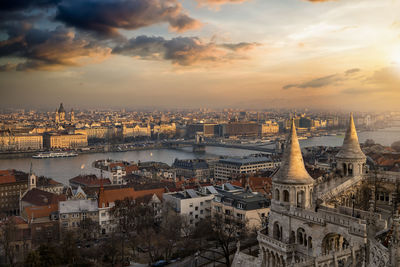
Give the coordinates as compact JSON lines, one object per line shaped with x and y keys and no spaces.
{"x":351,"y":147}
{"x":292,"y":169}
{"x":61,"y":109}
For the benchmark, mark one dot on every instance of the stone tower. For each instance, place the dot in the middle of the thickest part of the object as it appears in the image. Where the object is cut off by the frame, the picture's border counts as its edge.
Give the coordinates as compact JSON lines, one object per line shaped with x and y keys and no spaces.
{"x":56,"y":117}
{"x":350,"y":160}
{"x":61,"y":113}
{"x":292,"y":185}
{"x":72,"y":116}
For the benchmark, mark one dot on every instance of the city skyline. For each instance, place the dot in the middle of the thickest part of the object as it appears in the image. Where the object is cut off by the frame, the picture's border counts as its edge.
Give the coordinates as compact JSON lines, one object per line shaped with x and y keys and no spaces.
{"x":258,"y":54}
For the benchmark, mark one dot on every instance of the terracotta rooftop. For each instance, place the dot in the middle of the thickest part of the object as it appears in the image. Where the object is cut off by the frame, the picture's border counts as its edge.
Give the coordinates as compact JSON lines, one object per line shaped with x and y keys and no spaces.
{"x":90,"y":181}
{"x":6,"y":177}
{"x":39,"y":197}
{"x":107,"y":196}
{"x":40,"y":211}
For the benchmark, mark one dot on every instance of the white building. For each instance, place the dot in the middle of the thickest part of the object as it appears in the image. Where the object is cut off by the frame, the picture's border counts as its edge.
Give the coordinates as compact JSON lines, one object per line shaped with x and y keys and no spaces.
{"x":194,"y":205}
{"x":73,"y":212}
{"x":231,"y":167}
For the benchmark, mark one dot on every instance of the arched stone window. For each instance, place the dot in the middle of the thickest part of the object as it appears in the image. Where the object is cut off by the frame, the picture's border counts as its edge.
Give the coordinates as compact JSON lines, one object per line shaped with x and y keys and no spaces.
{"x":300,"y":236}
{"x":277,"y":194}
{"x":286,"y":197}
{"x":300,"y":199}
{"x":350,"y":169}
{"x":292,"y":238}
{"x":344,"y":169}
{"x":277,"y":231}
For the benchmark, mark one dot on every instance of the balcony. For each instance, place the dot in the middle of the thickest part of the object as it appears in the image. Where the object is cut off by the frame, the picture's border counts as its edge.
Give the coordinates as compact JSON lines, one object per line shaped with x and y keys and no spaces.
{"x":275,"y":244}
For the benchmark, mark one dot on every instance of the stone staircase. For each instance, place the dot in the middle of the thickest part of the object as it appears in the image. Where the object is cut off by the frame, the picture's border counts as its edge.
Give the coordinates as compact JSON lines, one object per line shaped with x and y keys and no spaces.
{"x":332,"y":188}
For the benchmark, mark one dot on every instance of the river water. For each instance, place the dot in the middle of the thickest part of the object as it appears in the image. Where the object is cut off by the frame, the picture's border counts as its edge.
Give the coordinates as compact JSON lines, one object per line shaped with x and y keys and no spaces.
{"x":62,"y":169}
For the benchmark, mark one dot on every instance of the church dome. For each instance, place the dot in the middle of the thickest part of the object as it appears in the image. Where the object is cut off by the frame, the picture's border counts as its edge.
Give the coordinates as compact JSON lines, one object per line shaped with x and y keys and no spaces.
{"x":61,"y":109}
{"x":292,"y":169}
{"x":351,"y":147}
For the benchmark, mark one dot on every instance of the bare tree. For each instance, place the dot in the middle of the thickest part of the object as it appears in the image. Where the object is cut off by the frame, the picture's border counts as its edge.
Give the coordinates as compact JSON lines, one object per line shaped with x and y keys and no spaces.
{"x":227,"y":230}
{"x":8,"y":235}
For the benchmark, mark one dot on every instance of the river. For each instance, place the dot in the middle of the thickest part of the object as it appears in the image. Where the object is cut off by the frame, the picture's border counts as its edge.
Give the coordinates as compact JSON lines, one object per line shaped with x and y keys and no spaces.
{"x":62,"y":169}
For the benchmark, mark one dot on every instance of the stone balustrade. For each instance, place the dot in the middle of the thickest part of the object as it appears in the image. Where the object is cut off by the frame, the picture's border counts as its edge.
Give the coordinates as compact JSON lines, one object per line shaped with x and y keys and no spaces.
{"x":276,"y":244}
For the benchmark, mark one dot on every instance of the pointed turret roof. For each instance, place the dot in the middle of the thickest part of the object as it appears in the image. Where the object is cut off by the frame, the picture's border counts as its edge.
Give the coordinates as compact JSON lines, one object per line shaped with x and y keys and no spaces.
{"x":351,"y":147}
{"x":292,"y":169}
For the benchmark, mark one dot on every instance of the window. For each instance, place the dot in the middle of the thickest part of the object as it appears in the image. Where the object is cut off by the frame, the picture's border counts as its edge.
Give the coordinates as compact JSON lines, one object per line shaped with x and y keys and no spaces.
{"x":227,"y":212}
{"x":196,"y":216}
{"x":191,"y":205}
{"x":196,"y":208}
{"x":103,"y":214}
{"x":240,"y":206}
{"x":201,"y":203}
{"x":201,"y":211}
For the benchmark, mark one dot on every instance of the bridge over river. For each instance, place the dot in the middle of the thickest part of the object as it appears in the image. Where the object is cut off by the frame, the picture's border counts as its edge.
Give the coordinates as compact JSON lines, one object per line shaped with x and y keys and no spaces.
{"x":185,"y":143}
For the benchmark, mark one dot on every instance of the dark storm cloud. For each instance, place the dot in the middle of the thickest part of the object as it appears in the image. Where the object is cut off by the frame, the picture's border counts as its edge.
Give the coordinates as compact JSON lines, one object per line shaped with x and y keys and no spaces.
{"x":8,"y":67}
{"x":44,"y":49}
{"x":8,"y":5}
{"x":106,"y":17}
{"x":240,"y":46}
{"x":352,"y":71}
{"x":316,"y":83}
{"x":181,"y":50}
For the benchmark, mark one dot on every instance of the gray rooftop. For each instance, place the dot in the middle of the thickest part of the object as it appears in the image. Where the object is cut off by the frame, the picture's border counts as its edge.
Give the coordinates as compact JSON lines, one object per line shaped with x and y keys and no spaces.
{"x":75,"y":206}
{"x":245,"y":160}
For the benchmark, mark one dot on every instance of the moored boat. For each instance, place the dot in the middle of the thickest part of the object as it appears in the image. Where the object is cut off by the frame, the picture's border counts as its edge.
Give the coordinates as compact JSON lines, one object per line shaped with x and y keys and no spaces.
{"x":46,"y":155}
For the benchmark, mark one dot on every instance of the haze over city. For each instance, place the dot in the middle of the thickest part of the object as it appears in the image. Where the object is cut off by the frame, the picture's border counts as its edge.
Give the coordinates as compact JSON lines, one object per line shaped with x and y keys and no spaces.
{"x":204,"y":53}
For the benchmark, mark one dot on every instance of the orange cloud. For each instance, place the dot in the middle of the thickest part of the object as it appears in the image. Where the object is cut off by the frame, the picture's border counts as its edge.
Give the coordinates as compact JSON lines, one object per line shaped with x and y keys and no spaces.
{"x":219,"y":2}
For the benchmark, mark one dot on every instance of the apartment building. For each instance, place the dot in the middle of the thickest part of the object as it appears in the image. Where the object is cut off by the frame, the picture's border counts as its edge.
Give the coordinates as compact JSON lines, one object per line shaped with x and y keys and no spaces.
{"x":229,"y":168}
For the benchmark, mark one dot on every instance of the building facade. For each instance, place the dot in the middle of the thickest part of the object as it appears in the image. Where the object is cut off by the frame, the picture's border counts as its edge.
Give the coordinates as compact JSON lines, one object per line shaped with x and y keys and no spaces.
{"x":229,"y":168}
{"x":64,"y":141}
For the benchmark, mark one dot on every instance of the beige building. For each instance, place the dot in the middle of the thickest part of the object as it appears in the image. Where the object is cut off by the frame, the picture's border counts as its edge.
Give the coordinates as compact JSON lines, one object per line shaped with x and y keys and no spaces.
{"x":21,"y":142}
{"x":136,"y":130}
{"x":269,"y":127}
{"x":56,"y":141}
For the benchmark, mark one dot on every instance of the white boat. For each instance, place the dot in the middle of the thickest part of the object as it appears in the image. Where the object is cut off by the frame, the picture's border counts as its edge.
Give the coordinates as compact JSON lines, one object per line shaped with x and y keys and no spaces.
{"x":47,"y":155}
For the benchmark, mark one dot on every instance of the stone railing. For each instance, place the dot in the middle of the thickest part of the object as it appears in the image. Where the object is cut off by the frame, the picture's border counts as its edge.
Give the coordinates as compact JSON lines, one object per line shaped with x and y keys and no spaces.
{"x":379,"y":254}
{"x":355,"y":225}
{"x":329,"y":189}
{"x":344,"y":256}
{"x":276,"y":244}
{"x":306,"y":215}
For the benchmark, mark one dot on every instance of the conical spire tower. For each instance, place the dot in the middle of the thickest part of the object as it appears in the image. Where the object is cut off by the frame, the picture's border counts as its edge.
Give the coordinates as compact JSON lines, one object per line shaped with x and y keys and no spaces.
{"x":350,"y":160}
{"x":351,"y":147}
{"x":292,"y":169}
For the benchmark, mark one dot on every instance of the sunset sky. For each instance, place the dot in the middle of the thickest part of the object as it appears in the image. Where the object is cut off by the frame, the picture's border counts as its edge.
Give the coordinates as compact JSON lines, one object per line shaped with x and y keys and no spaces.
{"x":342,"y":54}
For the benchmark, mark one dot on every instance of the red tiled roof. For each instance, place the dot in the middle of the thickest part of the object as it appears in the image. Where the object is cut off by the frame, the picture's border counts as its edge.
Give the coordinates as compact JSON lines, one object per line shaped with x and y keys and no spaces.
{"x":90,"y":180}
{"x":6,"y":177}
{"x":109,"y":196}
{"x":39,"y":197}
{"x":129,"y":169}
{"x":115,"y":164}
{"x":40,"y":211}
